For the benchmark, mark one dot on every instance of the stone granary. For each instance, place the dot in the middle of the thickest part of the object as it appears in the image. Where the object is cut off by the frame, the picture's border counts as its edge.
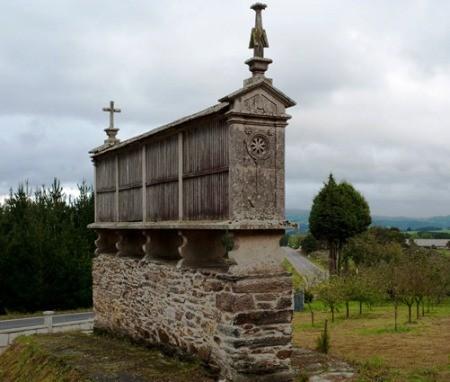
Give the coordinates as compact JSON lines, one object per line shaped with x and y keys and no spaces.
{"x":189,"y":217}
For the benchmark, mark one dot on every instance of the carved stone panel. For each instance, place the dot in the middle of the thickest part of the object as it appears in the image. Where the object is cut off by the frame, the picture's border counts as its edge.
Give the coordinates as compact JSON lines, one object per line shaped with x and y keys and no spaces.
{"x":256,"y":172}
{"x":260,"y":104}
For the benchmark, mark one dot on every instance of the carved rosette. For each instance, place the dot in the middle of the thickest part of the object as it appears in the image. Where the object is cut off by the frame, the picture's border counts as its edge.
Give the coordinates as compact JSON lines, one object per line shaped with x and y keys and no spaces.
{"x":258,"y":144}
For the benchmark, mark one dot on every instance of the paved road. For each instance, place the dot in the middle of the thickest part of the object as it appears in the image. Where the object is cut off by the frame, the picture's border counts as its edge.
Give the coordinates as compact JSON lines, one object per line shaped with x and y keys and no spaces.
{"x":310,"y":271}
{"x":36,"y":321}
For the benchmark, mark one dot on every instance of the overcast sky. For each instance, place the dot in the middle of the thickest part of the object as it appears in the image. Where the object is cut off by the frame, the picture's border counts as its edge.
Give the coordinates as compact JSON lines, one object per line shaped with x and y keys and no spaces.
{"x":371,"y":78}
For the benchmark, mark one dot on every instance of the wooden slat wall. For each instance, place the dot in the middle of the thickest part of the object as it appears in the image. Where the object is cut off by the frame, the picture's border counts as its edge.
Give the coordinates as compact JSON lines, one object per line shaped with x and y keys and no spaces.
{"x":206,"y":197}
{"x":205,"y":171}
{"x":130,"y":168}
{"x":162,"y":202}
{"x":105,"y":207}
{"x":105,"y":184}
{"x":200,"y":173}
{"x":130,"y":185}
{"x":162,"y":179}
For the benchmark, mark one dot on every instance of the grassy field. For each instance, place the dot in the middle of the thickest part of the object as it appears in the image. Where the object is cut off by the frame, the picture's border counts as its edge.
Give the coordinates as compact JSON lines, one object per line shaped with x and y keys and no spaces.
{"x":418,"y":352}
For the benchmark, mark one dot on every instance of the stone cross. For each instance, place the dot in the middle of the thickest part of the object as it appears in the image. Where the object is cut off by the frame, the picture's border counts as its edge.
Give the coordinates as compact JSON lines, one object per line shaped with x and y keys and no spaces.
{"x":111,"y":131}
{"x":258,"y":38}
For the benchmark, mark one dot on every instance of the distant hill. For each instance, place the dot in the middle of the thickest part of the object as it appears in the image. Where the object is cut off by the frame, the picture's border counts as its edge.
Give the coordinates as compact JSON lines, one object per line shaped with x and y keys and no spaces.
{"x":403,"y":223}
{"x":301,"y":217}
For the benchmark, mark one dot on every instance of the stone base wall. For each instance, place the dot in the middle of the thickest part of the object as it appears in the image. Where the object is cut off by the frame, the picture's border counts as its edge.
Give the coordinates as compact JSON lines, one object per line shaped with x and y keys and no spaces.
{"x":240,"y":324}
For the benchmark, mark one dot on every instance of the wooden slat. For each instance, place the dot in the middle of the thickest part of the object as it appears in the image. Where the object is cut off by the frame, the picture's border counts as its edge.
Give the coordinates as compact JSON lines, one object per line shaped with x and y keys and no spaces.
{"x":206,"y":197}
{"x":117,"y":202}
{"x":205,"y":171}
{"x":162,"y":179}
{"x":163,"y":202}
{"x":182,"y":176}
{"x":130,"y":168}
{"x":130,"y":205}
{"x":162,"y":159}
{"x":106,"y":207}
{"x":144,"y":182}
{"x":105,"y":174}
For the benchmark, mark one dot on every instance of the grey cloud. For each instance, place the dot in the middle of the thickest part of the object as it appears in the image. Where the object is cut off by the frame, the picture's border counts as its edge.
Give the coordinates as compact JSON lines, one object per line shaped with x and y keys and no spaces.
{"x":372,"y":80}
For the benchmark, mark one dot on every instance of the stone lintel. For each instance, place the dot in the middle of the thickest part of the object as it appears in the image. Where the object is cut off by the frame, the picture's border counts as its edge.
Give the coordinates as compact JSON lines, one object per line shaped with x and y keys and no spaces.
{"x":237,"y":225}
{"x":234,"y":117}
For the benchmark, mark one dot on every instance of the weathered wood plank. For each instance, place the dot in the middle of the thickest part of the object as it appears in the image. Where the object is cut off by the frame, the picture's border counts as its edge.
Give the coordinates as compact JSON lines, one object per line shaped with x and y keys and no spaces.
{"x":205,"y":171}
{"x":130,"y":205}
{"x":106,"y":206}
{"x":162,"y":159}
{"x":163,"y":202}
{"x":144,"y":182}
{"x":105,"y":174}
{"x":182,"y":176}
{"x":130,"y":168}
{"x":205,"y":146}
{"x":206,"y":197}
{"x":162,"y":179}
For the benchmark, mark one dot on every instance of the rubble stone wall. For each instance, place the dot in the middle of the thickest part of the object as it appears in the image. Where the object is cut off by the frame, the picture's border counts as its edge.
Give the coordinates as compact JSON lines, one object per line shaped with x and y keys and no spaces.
{"x":240,"y":324}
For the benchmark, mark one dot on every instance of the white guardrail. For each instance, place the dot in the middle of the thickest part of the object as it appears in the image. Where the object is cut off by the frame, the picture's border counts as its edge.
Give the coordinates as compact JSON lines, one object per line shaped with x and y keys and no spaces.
{"x":11,"y":329}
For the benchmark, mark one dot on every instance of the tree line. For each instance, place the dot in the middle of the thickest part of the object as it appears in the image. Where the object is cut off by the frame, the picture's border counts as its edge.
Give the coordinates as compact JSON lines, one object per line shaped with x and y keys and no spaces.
{"x":46,"y":249}
{"x":371,"y":264}
{"x":415,"y":277}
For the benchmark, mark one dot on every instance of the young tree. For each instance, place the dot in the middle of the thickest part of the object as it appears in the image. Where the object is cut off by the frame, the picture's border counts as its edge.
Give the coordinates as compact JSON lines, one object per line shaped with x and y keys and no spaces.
{"x":412,"y":280}
{"x":330,"y":293}
{"x":339,"y":212}
{"x":366,"y":250}
{"x":361,"y":287}
{"x":388,"y":283}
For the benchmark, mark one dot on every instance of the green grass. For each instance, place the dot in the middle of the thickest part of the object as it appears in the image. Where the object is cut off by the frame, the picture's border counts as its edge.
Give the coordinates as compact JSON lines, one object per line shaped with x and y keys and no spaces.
{"x":297,"y":280}
{"x":445,"y":252}
{"x":415,"y":352}
{"x":389,"y":330}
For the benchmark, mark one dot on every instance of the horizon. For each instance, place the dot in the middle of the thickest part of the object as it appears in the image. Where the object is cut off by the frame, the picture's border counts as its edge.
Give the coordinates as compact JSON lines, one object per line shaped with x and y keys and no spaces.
{"x":73,"y":192}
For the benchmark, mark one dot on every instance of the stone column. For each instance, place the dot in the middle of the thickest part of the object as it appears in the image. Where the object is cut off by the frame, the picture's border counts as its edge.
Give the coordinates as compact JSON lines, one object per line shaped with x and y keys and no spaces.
{"x":257,"y":306}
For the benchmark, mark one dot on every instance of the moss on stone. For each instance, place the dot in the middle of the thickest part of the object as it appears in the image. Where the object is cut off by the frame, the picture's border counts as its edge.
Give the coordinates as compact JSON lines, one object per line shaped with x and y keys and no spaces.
{"x":71,"y":357}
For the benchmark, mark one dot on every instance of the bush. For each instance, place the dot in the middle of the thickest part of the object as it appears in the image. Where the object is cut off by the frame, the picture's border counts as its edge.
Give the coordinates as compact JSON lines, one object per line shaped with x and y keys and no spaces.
{"x":294,"y":241}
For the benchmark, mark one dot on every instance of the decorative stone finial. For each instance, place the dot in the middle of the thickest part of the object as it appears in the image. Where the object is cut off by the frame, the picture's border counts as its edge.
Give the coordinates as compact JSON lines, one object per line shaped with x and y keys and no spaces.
{"x":111,"y":131}
{"x":258,"y":41}
{"x":258,"y":38}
